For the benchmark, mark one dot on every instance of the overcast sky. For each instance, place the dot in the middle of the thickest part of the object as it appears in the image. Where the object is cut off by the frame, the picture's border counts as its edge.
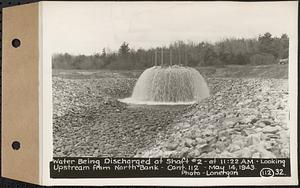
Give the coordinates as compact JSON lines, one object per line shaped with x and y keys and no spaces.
{"x":87,"y":27}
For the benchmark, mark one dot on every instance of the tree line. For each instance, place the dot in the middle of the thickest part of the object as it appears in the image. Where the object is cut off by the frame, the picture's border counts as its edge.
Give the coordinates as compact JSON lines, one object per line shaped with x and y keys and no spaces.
{"x":265,"y":49}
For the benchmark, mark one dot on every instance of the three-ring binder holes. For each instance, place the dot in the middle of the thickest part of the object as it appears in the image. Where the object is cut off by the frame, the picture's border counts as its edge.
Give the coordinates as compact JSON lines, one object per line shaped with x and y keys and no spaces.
{"x":16,"y":43}
{"x":16,"y":145}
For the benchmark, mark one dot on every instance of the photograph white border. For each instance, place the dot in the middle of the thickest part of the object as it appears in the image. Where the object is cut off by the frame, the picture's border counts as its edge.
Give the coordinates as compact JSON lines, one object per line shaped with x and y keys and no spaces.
{"x":46,"y":146}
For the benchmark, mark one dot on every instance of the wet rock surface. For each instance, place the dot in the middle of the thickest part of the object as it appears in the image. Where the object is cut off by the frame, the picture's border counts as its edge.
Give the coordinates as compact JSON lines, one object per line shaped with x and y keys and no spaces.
{"x":241,"y":118}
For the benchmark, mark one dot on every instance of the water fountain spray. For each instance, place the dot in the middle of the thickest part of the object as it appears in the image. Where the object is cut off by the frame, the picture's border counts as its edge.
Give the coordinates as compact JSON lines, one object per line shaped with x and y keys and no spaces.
{"x":169,"y":85}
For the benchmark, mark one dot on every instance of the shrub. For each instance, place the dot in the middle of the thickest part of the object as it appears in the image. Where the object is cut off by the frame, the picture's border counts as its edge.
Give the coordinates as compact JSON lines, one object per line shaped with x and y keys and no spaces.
{"x":262,"y":59}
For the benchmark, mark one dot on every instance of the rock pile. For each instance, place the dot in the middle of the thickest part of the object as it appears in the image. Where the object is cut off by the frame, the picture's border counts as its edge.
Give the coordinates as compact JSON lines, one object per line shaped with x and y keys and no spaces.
{"x":242,"y":118}
{"x":88,"y":120}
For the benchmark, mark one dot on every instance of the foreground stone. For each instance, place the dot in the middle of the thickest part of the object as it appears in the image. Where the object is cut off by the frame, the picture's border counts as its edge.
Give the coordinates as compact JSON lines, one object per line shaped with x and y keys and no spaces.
{"x":242,"y":118}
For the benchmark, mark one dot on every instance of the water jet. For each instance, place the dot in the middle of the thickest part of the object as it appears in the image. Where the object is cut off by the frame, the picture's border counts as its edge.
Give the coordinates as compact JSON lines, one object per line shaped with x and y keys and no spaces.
{"x":169,"y":85}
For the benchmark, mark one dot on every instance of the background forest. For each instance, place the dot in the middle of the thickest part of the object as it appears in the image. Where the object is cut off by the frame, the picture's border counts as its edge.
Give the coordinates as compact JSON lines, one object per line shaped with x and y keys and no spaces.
{"x":265,"y":49}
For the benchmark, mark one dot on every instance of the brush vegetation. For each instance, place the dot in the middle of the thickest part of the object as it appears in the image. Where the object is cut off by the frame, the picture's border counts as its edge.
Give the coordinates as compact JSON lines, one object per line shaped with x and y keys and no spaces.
{"x":264,"y":50}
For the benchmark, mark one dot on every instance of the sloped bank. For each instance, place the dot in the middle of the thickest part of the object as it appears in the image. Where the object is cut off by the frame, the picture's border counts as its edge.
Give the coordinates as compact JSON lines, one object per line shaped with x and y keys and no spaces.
{"x":242,"y":118}
{"x":89,"y":121}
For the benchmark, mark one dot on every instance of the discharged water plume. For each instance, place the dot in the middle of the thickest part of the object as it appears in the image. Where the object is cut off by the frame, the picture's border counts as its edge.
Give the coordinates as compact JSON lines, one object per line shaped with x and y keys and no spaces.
{"x":169,"y":85}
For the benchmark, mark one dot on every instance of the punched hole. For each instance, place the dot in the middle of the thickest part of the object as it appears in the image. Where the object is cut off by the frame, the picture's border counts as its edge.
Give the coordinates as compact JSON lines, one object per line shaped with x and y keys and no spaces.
{"x":16,"y":145}
{"x":16,"y":43}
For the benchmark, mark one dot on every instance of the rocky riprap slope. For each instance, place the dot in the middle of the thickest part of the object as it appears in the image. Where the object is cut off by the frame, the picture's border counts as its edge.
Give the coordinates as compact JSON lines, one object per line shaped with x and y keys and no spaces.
{"x":88,"y":120}
{"x":241,"y":118}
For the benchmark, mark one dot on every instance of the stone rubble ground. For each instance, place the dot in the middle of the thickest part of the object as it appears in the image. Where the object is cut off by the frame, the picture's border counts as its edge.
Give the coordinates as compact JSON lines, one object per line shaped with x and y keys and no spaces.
{"x":88,"y":120}
{"x":241,"y":118}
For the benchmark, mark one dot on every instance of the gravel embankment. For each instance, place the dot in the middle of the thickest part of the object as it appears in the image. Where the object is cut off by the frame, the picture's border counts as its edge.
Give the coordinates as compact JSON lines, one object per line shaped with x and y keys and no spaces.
{"x":242,"y":118}
{"x":89,"y":121}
